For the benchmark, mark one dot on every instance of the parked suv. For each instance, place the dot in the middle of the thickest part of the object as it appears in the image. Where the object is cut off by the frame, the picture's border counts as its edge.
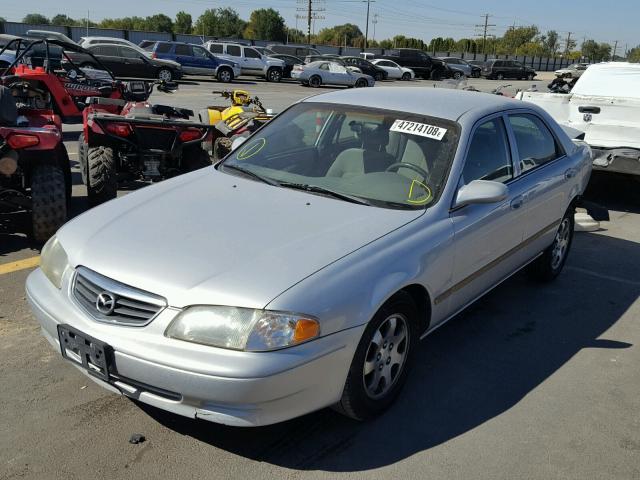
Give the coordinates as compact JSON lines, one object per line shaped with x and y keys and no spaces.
{"x":460,"y":65}
{"x":366,"y":67}
{"x":251,"y":61}
{"x":500,"y":69}
{"x":195,"y":60}
{"x":421,"y":63}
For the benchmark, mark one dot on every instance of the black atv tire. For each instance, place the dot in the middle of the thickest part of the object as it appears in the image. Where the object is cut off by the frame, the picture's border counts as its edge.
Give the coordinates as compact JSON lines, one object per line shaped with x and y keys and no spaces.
{"x":82,"y":158}
{"x":102,"y":180}
{"x":48,"y":201}
{"x":195,"y":158}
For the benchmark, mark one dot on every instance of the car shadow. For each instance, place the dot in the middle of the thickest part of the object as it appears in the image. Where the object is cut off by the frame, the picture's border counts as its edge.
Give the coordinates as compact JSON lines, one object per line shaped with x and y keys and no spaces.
{"x":470,"y":371}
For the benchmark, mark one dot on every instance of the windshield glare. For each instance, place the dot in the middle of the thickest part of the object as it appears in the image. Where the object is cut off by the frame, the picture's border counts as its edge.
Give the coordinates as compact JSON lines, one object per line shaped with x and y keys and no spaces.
{"x":390,"y":159}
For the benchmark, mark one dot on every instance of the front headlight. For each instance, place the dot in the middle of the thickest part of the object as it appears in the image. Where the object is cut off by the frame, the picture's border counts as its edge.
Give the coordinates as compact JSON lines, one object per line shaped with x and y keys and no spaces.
{"x":54,"y":261}
{"x":242,"y":328}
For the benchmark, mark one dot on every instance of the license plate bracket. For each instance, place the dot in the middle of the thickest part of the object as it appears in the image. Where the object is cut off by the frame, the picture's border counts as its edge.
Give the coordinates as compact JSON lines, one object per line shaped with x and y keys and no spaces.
{"x":92,"y":354}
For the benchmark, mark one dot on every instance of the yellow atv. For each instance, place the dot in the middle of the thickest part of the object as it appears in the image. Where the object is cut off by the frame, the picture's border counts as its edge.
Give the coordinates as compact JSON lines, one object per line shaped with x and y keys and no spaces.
{"x":244,"y":116}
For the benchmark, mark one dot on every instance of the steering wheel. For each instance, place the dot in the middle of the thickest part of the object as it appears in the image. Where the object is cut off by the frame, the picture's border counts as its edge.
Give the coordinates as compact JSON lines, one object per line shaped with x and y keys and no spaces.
{"x":410,"y":166}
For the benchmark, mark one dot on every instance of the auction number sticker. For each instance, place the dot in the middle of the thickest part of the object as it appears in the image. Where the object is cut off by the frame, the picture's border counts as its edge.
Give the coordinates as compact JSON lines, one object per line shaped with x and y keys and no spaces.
{"x":415,"y":128}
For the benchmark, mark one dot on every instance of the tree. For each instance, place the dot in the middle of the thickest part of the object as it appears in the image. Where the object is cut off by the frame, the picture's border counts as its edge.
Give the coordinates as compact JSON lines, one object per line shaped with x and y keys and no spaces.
{"x":514,"y":38}
{"x":158,"y":23}
{"x":183,"y":23}
{"x":595,"y":51}
{"x":219,"y":22}
{"x":62,"y":19}
{"x":634,"y":54}
{"x":296,"y":36}
{"x":339,"y":35}
{"x":35,"y":19}
{"x":3,"y":20}
{"x":266,"y":24}
{"x":550,"y":43}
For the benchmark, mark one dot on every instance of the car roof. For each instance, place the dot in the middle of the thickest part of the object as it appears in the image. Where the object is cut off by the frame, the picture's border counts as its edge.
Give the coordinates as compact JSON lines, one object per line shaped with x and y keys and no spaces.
{"x":444,"y":103}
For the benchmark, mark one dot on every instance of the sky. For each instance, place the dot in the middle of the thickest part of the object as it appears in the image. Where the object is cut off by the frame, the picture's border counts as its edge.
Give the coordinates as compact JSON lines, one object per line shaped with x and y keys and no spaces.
{"x":602,"y":21}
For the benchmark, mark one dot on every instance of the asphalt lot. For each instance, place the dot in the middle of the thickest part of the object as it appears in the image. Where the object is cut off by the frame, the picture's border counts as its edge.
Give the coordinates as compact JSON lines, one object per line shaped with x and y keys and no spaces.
{"x":531,"y":382}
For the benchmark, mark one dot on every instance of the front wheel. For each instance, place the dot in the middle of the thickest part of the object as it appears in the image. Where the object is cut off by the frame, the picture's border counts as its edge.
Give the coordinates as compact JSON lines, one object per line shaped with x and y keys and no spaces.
{"x":406,"y":76}
{"x":379,"y":76}
{"x":530,"y":77}
{"x":380,"y":365}
{"x":165,"y":74}
{"x":274,"y":75}
{"x":457,"y":75}
{"x":361,"y":83}
{"x":549,"y":265}
{"x":315,"y":81}
{"x":48,"y":201}
{"x":224,"y":75}
{"x":102,"y":182}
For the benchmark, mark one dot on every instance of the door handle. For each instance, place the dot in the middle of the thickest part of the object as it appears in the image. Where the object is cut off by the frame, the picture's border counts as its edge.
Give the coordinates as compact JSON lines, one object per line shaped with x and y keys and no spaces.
{"x":570,"y":173}
{"x":517,"y":202}
{"x":587,"y":109}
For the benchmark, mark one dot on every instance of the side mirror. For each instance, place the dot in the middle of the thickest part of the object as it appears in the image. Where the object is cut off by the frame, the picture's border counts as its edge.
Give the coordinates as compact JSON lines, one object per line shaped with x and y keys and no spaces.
{"x":481,"y":191}
{"x":237,"y":142}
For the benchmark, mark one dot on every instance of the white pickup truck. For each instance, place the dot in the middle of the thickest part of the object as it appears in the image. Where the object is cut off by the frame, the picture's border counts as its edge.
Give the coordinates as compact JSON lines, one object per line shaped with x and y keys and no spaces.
{"x":605,"y":105}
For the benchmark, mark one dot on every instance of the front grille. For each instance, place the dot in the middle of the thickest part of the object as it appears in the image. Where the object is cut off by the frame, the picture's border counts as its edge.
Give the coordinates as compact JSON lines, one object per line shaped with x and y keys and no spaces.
{"x":113,"y":302}
{"x":155,"y":138}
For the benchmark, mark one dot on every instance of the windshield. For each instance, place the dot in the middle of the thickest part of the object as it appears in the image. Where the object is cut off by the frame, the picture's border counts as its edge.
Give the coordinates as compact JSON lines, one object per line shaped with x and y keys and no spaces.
{"x":384,"y":158}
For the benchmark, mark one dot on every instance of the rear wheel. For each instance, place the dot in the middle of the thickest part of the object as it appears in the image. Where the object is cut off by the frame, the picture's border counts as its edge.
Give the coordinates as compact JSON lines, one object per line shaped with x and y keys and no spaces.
{"x":315,"y":81}
{"x":165,"y":74}
{"x":102,"y":182}
{"x":381,"y":362}
{"x":530,"y":76}
{"x":361,"y":83}
{"x":406,"y":76}
{"x":499,"y":76}
{"x":549,"y":265}
{"x":194,"y":158}
{"x":48,"y":201}
{"x":436,"y":74}
{"x":379,"y":76}
{"x":225,"y":75}
{"x":82,"y":158}
{"x":274,"y":75}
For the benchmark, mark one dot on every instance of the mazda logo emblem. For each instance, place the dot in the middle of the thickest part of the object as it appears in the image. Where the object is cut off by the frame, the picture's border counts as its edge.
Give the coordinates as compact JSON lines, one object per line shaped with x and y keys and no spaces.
{"x":105,"y":303}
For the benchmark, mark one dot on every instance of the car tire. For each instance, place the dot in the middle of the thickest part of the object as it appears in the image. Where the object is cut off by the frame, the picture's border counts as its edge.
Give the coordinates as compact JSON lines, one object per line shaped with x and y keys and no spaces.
{"x":457,"y":75}
{"x":224,"y":75}
{"x":195,"y":158}
{"x":436,"y":74}
{"x":274,"y":75}
{"x":165,"y":74}
{"x":530,"y":77}
{"x":48,"y":201}
{"x":102,"y":182}
{"x":379,"y":367}
{"x":549,"y":265}
{"x":406,"y":76}
{"x":379,"y":76}
{"x":499,"y":76}
{"x":315,"y":81}
{"x":361,"y":83}
{"x":82,"y":158}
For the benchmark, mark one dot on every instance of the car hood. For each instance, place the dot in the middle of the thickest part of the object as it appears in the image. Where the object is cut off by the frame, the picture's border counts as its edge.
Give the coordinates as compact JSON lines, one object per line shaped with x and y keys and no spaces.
{"x":213,"y":238}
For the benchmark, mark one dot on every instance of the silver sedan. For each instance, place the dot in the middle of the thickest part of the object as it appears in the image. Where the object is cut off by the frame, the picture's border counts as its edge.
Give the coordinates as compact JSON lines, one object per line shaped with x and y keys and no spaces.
{"x":302,"y":271}
{"x":320,"y":73}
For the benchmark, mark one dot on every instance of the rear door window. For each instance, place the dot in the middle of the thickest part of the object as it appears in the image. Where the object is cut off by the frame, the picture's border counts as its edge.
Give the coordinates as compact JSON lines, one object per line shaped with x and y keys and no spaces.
{"x":129,"y":53}
{"x":163,"y":48}
{"x":184,"y":50}
{"x":215,"y":48}
{"x":536,"y":145}
{"x":200,"y":52}
{"x":106,"y":50}
{"x":234,"y":50}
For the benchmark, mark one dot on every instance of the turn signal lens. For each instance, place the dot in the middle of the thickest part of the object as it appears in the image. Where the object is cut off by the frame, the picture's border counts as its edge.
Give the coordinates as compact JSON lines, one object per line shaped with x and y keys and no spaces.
{"x":119,"y":129}
{"x":306,"y":329}
{"x":22,"y":140}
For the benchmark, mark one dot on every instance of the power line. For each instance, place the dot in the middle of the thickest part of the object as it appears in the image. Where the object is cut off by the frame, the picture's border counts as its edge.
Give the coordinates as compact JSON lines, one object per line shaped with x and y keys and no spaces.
{"x":374,"y":21}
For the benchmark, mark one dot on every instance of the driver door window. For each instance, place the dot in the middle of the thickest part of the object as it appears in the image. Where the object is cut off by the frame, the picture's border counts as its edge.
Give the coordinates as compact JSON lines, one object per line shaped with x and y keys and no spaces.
{"x":488,"y":156}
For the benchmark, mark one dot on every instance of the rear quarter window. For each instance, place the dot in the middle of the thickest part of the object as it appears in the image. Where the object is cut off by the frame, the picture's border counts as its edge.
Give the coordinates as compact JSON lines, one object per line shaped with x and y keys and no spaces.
{"x":163,"y":48}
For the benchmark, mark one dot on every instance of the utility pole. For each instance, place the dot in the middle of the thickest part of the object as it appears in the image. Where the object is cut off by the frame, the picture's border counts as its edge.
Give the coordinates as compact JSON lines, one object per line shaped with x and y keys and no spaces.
{"x":311,"y":15}
{"x":309,"y":22}
{"x":374,"y":21}
{"x":366,"y":29}
{"x":484,"y":34}
{"x":87,"y":23}
{"x":566,"y":47}
{"x":615,"y":48}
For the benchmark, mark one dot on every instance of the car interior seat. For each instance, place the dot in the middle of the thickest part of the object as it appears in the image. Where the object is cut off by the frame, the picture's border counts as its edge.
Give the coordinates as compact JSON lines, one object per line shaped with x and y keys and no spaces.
{"x":371,"y":157}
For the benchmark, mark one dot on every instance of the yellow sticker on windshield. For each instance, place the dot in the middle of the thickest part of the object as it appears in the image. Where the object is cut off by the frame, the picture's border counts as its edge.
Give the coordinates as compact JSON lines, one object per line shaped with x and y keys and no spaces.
{"x":419,"y":193}
{"x":251,"y":149}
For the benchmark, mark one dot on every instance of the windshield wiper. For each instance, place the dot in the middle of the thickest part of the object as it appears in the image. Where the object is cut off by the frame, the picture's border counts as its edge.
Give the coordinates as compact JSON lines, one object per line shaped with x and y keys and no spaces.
{"x":251,"y":174}
{"x":326,"y":191}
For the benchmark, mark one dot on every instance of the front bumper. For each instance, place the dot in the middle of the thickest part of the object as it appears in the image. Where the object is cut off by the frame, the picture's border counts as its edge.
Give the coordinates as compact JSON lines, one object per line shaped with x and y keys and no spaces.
{"x":619,"y":160}
{"x":219,"y":385}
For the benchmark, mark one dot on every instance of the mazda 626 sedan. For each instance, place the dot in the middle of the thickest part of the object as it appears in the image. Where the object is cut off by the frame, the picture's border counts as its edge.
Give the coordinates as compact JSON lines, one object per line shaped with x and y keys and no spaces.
{"x":301,"y":271}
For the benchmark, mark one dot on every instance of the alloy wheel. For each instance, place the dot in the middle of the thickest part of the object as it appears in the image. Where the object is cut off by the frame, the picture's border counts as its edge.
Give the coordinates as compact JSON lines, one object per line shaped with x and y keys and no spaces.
{"x":165,"y":75}
{"x":561,"y":244}
{"x":386,"y":356}
{"x":224,"y":76}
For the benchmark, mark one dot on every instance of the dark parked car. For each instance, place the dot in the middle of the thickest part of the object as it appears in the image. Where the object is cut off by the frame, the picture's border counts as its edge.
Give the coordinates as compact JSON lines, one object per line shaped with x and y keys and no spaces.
{"x":476,"y":63}
{"x":289,"y":62}
{"x":500,"y":69}
{"x":421,"y":63}
{"x":365,"y":67}
{"x":124,"y":61}
{"x":299,"y":51}
{"x":195,"y":60}
{"x":465,"y":67}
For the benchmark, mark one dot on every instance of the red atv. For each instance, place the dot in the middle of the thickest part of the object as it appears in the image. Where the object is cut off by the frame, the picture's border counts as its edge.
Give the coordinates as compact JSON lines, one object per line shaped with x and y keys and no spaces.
{"x":131,"y":139}
{"x":35,"y":172}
